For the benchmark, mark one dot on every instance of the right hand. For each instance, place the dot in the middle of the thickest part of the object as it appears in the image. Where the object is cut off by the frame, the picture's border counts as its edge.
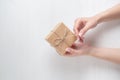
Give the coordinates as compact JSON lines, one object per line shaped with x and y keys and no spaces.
{"x":82,"y":25}
{"x":78,"y":49}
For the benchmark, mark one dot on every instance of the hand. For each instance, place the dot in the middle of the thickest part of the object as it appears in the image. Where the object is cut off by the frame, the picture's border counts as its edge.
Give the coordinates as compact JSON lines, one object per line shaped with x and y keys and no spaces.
{"x":82,"y":25}
{"x":78,"y":49}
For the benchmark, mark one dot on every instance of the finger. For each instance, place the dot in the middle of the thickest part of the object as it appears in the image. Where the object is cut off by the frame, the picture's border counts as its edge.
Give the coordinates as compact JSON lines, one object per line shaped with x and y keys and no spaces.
{"x":83,"y":31}
{"x":77,"y":37}
{"x":76,"y":44}
{"x":71,"y":51}
{"x":81,"y":39}
{"x":77,"y":26}
{"x":73,"y":45}
{"x":76,"y":29}
{"x":69,"y":54}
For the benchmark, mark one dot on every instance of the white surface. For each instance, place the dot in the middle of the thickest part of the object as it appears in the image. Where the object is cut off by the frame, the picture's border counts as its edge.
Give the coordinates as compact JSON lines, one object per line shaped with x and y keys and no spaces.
{"x":25,"y":55}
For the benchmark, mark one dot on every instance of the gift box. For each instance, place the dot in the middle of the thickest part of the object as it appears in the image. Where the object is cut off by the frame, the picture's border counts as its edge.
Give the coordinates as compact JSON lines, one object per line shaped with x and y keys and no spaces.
{"x":61,"y":38}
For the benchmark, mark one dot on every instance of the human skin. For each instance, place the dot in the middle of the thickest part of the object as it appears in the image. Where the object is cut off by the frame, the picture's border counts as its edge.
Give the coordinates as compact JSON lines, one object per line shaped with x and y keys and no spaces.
{"x":82,"y":25}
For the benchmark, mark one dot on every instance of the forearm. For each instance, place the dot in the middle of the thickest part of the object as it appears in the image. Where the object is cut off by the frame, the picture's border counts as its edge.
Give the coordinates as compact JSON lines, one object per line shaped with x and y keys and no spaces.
{"x":109,"y":14}
{"x":110,"y":54}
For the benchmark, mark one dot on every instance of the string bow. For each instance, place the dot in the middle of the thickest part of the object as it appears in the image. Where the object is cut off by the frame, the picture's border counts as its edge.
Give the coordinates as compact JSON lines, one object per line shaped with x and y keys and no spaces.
{"x":60,"y":39}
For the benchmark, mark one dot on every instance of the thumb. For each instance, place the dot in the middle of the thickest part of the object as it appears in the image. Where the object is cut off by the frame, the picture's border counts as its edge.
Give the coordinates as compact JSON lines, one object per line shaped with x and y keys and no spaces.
{"x":71,"y":50}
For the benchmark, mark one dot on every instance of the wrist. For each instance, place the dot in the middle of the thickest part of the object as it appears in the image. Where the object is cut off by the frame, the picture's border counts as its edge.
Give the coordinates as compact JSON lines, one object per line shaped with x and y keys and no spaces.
{"x":92,"y":51}
{"x":98,"y":18}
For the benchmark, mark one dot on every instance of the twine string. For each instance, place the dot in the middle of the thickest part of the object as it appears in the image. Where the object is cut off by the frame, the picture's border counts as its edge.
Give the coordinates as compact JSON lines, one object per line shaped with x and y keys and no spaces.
{"x":60,"y":39}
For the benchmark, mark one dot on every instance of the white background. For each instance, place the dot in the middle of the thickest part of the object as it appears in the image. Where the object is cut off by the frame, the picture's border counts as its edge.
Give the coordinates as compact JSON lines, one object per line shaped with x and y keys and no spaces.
{"x":25,"y":55}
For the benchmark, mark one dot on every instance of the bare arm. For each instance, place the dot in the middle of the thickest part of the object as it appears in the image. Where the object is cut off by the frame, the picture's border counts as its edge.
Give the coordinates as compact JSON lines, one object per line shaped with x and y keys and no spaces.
{"x":110,"y":14}
{"x":82,"y":25}
{"x":110,"y":54}
{"x":79,"y":49}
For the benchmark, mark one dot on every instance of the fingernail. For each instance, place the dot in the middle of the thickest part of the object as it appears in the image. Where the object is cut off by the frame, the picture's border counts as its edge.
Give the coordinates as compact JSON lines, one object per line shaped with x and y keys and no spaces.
{"x":80,"y":34}
{"x":67,"y":49}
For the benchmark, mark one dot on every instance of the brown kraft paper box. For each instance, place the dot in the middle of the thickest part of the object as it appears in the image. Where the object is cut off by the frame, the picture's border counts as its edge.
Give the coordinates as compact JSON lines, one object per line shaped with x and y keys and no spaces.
{"x":61,"y":38}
